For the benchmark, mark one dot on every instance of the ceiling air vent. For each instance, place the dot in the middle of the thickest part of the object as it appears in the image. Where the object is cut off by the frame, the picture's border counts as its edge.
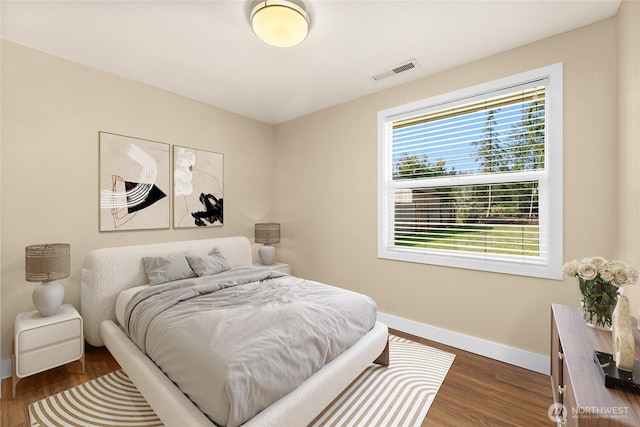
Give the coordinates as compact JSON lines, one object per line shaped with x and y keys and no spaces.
{"x":396,"y":70}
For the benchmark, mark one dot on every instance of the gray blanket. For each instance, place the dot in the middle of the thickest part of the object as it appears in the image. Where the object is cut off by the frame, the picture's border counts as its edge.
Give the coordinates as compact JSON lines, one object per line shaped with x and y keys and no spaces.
{"x":236,"y":342}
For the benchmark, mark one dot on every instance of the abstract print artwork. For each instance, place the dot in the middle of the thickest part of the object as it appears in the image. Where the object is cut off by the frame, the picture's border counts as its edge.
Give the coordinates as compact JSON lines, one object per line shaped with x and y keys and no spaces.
{"x":197,"y":188}
{"x":134,"y":183}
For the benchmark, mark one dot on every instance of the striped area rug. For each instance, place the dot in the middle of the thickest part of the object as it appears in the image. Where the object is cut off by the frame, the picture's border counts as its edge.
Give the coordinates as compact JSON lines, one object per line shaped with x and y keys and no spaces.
{"x":399,"y":395}
{"x":110,"y":400}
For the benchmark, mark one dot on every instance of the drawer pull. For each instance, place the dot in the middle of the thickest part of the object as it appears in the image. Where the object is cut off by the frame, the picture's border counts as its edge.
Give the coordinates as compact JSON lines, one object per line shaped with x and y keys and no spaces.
{"x":561,"y":389}
{"x":560,"y":355}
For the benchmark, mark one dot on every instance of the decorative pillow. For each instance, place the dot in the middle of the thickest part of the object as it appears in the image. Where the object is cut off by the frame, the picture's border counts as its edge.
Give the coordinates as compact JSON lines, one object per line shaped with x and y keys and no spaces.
{"x":208,"y":265}
{"x":165,"y":269}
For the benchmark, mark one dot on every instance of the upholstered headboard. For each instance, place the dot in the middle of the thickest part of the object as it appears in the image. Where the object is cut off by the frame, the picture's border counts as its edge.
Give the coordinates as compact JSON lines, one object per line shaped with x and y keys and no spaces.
{"x":107,"y":272}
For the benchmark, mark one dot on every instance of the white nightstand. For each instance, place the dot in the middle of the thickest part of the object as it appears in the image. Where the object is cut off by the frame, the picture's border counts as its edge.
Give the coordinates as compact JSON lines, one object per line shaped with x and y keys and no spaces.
{"x":278,"y":266}
{"x":42,"y":343}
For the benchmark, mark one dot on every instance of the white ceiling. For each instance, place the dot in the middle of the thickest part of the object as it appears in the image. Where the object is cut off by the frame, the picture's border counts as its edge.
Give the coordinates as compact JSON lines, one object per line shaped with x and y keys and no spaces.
{"x":206,"y":50}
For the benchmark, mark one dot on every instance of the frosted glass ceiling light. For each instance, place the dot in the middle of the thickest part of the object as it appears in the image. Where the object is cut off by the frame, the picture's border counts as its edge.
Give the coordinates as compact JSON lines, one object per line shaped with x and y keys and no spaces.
{"x":280,"y":23}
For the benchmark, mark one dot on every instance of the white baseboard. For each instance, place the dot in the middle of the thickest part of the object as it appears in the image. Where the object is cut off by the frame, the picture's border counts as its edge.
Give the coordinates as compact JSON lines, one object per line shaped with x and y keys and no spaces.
{"x":514,"y":356}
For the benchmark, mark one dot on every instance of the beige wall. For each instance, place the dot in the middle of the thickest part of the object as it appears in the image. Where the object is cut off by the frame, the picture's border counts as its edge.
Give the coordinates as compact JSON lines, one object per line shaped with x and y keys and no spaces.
{"x":628,"y":55}
{"x":326,"y":197}
{"x":52,"y":111}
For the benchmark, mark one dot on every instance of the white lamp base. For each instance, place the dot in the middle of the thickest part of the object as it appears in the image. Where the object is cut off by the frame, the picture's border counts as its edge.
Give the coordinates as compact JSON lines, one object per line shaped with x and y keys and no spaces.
{"x":267,"y":254}
{"x":47,"y":298}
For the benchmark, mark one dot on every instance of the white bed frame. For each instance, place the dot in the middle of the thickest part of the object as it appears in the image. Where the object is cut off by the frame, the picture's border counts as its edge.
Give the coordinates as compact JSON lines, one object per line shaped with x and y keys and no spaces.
{"x":107,"y":272}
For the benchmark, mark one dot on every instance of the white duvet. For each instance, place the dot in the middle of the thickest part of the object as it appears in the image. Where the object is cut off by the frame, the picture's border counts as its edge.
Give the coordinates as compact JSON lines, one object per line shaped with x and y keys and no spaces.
{"x":236,"y":342}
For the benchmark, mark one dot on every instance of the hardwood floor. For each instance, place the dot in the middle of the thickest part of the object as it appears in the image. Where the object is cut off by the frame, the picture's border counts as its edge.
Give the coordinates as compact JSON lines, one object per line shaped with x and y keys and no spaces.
{"x":476,"y":392}
{"x":98,"y":362}
{"x":479,"y":391}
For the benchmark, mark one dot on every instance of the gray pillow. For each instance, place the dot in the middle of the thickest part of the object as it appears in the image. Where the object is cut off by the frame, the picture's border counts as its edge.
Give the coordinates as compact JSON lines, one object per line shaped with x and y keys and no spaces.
{"x":165,"y":269}
{"x":208,"y":265}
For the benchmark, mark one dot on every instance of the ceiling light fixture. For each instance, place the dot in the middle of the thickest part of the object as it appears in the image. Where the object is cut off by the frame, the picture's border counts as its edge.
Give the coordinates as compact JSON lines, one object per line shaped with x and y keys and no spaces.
{"x":280,"y":23}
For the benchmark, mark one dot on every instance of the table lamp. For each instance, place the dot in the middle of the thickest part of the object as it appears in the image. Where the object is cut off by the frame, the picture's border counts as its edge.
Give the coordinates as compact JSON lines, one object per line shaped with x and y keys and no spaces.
{"x":47,"y":263}
{"x":267,"y":234}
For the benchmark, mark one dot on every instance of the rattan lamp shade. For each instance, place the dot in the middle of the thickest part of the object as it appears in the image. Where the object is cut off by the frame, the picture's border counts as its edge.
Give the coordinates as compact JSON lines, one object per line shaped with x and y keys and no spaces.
{"x":47,"y":262}
{"x":267,"y":233}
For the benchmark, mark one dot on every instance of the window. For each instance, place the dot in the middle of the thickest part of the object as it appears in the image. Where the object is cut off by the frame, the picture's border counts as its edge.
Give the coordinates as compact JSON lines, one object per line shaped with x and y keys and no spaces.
{"x":473,"y":178}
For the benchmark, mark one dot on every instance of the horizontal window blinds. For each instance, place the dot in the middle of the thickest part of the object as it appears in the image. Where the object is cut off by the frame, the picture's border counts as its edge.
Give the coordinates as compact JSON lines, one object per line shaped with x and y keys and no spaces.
{"x":469,"y":177}
{"x":501,"y":134}
{"x":496,"y":218}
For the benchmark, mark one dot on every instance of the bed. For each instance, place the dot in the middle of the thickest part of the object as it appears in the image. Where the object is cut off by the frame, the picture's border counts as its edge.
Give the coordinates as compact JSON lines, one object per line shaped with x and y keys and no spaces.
{"x":109,"y":271}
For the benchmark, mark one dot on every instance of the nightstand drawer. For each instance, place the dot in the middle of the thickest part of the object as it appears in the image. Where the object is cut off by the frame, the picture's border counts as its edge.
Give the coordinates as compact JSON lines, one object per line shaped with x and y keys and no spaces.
{"x":44,"y":336}
{"x":39,"y":360}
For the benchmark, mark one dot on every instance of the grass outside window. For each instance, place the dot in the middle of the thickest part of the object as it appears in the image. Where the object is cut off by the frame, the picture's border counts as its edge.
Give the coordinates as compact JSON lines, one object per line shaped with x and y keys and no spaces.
{"x":497,"y":239}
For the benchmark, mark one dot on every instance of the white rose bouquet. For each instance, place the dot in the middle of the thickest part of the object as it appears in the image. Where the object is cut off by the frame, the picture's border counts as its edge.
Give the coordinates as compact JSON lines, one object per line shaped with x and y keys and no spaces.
{"x":599,"y":281}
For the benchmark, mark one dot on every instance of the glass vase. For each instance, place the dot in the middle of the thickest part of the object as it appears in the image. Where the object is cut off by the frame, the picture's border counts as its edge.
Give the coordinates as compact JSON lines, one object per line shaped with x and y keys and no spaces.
{"x":598,"y":301}
{"x":597,"y":315}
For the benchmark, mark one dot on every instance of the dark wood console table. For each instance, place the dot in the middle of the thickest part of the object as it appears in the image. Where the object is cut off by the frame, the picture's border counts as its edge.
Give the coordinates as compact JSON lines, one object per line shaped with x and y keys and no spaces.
{"x":577,"y":381}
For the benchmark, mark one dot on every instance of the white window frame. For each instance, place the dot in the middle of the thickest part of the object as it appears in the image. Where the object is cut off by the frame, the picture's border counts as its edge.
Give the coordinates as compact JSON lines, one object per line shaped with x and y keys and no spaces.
{"x":550,"y":202}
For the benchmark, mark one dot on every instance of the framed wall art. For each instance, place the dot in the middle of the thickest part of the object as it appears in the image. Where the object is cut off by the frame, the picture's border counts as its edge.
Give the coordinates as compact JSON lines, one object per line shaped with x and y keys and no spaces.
{"x":134,"y":183}
{"x":198,"y":184}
